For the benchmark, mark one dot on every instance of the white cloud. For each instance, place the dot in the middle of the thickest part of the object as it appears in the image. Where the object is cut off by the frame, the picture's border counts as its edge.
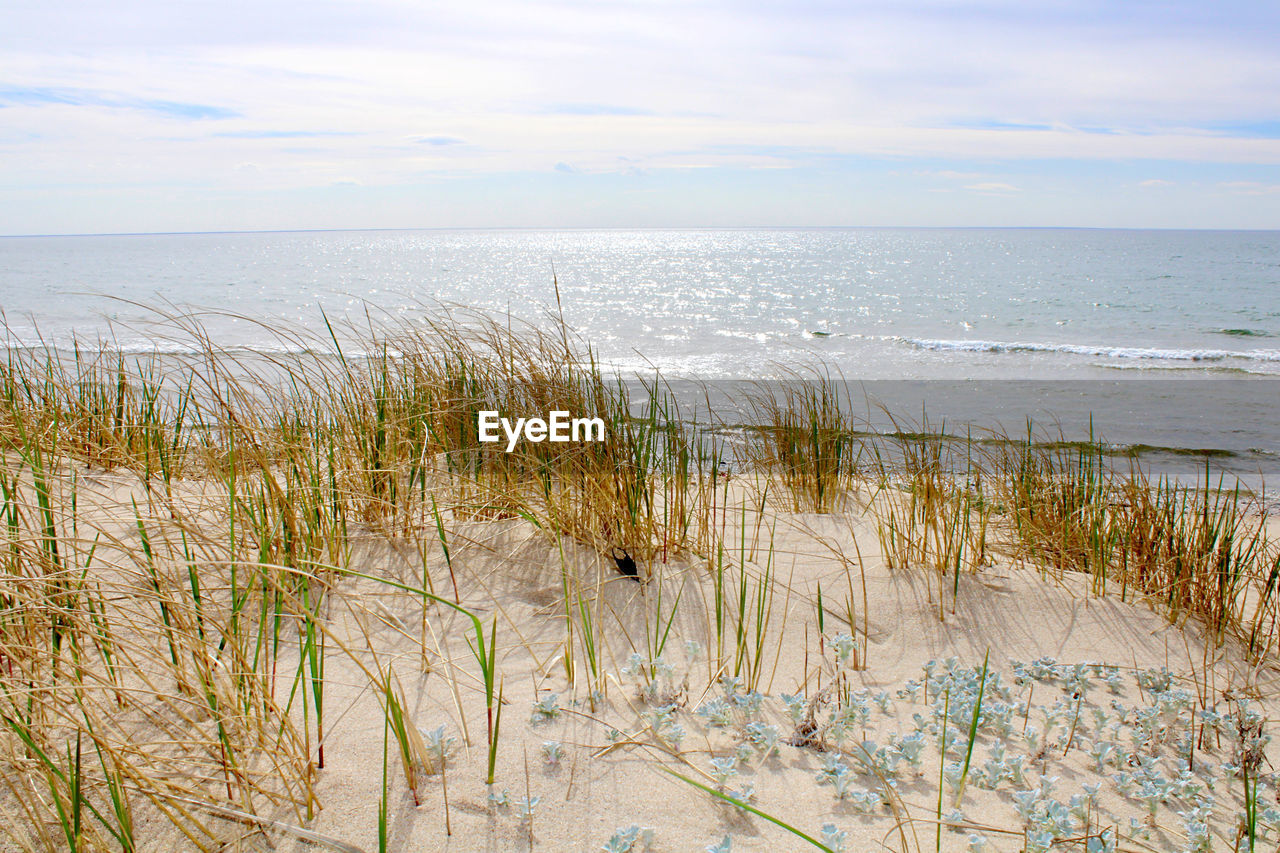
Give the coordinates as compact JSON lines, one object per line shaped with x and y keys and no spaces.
{"x":1249,"y":187}
{"x":490,"y":88}
{"x":993,"y":187}
{"x":951,"y":174}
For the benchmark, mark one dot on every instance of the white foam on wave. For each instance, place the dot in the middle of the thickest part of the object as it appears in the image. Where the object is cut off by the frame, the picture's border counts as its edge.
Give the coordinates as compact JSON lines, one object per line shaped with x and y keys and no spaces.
{"x":1096,"y":351}
{"x":138,"y":347}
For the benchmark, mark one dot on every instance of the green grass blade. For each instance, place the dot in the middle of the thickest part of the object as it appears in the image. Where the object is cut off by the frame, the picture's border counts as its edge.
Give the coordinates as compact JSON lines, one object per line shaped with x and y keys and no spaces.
{"x":755,"y":811}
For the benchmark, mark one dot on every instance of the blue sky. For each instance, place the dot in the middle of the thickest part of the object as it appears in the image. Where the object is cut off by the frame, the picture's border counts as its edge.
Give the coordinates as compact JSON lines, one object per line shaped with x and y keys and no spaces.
{"x":176,"y":116}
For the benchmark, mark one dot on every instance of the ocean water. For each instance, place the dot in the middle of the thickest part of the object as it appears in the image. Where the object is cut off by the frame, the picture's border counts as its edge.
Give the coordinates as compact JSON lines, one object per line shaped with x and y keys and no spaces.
{"x":881,"y":304}
{"x":1077,"y":309}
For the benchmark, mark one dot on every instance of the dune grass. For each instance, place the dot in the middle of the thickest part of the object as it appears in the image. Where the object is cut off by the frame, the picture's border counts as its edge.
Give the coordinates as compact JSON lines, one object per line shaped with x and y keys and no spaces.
{"x":180,"y":659}
{"x":1198,"y":551}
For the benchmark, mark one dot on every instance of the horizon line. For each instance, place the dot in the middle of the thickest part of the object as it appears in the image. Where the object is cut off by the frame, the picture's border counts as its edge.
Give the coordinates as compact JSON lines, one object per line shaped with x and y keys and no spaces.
{"x":637,"y":228}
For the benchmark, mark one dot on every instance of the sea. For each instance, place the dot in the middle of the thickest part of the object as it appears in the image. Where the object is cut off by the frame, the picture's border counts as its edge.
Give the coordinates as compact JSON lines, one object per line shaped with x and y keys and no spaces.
{"x":1159,"y":342}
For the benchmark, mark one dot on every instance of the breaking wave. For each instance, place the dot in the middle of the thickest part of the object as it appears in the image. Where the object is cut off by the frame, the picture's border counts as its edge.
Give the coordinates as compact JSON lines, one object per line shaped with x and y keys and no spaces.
{"x":1096,"y":351}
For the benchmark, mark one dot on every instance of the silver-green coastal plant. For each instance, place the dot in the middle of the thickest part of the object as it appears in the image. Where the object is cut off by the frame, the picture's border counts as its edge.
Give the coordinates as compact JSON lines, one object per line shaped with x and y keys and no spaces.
{"x":841,"y":777}
{"x":763,"y":737}
{"x":744,"y":804}
{"x":723,"y":769}
{"x":631,"y":839}
{"x":656,"y":686}
{"x":552,"y":752}
{"x":834,"y":838}
{"x":1165,"y":762}
{"x":526,"y":807}
{"x":736,"y":706}
{"x":725,"y":845}
{"x":741,"y":798}
{"x":655,"y":679}
{"x":546,"y":708}
{"x":439,"y":745}
{"x":844,"y":645}
{"x":664,"y":722}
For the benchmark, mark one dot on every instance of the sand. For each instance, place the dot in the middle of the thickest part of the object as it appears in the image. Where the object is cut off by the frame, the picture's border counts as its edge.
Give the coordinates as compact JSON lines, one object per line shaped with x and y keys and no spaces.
{"x":609,"y":770}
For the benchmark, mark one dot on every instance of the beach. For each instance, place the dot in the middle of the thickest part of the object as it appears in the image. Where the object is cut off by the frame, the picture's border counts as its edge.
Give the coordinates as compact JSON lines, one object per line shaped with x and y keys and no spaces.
{"x":293,"y":601}
{"x":639,"y":427}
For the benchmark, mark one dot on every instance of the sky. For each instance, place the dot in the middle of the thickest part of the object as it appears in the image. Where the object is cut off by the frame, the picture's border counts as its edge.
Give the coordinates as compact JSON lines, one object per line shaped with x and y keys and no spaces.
{"x":175,"y":115}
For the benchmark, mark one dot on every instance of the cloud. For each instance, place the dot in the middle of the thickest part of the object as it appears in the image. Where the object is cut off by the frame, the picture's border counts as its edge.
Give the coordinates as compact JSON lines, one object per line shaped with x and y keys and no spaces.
{"x":1265,"y":129}
{"x":594,"y":110}
{"x":992,"y":95}
{"x":47,"y":96}
{"x":179,"y":110}
{"x":950,"y":174}
{"x":993,"y":187}
{"x":281,"y":134}
{"x":1249,"y":187}
{"x":1156,"y":182}
{"x":997,"y":124}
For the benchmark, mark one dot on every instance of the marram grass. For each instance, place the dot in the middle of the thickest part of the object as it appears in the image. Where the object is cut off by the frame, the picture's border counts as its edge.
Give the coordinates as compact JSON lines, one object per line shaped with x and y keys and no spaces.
{"x":147,"y":668}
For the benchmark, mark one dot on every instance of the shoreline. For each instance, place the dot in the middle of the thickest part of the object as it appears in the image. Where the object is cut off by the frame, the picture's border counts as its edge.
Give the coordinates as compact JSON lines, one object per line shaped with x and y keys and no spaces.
{"x":1164,"y":423}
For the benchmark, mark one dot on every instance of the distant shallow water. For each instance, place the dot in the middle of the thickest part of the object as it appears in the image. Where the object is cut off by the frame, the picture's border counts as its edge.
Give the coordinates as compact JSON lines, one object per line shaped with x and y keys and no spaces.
{"x":1172,"y":428}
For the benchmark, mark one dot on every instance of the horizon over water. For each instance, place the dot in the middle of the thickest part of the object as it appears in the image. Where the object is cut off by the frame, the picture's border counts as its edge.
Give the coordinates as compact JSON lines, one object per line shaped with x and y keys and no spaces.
{"x":938,"y":305}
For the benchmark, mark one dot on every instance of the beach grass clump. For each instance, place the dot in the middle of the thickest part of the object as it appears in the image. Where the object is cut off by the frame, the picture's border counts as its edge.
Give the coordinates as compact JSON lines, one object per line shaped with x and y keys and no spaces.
{"x":105,"y":410}
{"x":930,"y":508}
{"x":804,"y":435}
{"x":1198,"y":550}
{"x":377,"y":419}
{"x":409,"y":421}
{"x":147,"y":663}
{"x":187,"y":665}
